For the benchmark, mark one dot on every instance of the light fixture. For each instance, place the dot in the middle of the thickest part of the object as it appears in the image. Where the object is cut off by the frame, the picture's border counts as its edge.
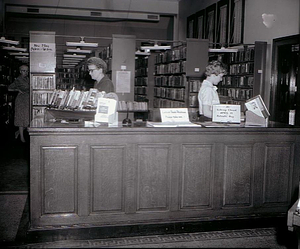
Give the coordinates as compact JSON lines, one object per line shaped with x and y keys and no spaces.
{"x":74,"y":56}
{"x":82,"y":43}
{"x":3,"y":40}
{"x":73,"y":59}
{"x":68,"y":66}
{"x":13,"y":48}
{"x":78,"y":50}
{"x":70,"y":62}
{"x":223,"y":50}
{"x":155,"y":47}
{"x":22,"y":58}
{"x":19,"y":54}
{"x":138,"y":52}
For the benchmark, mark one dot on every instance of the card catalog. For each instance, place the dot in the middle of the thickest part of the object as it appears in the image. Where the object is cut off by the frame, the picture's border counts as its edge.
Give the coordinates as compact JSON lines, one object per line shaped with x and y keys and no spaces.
{"x":178,"y":115}
{"x":226,"y":113}
{"x":106,"y":109}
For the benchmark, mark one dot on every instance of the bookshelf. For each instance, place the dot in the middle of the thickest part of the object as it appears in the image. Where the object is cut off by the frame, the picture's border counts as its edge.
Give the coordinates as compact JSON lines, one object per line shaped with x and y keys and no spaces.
{"x":176,"y":70}
{"x":141,"y":78}
{"x":67,"y":78}
{"x":246,"y":73}
{"x":42,"y":70}
{"x":106,"y":55}
{"x":42,"y":88}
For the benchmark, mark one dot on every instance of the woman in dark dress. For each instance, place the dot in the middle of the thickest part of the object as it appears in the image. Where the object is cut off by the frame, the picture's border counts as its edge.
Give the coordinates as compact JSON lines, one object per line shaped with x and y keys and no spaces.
{"x":22,"y":105}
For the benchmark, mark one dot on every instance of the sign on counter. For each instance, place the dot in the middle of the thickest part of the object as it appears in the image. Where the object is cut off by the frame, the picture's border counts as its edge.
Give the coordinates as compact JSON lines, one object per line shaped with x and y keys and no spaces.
{"x":226,"y":113}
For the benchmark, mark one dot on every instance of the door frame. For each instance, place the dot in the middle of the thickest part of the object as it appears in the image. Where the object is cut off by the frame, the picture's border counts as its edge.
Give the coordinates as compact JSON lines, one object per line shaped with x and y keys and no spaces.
{"x":288,"y":40}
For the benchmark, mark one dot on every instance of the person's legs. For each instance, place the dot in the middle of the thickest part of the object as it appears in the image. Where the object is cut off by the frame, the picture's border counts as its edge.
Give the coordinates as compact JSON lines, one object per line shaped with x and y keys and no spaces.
{"x":21,"y":129}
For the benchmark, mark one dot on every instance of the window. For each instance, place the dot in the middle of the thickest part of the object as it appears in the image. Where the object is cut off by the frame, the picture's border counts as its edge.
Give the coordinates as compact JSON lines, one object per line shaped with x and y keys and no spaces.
{"x":200,"y":24}
{"x":210,"y":24}
{"x":222,"y":23}
{"x":237,"y":22}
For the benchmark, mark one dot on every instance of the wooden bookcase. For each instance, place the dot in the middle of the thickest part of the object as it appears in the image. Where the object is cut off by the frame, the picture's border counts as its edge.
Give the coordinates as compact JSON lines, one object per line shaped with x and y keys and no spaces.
{"x":141,"y":78}
{"x":67,"y":78}
{"x":42,"y":87}
{"x":175,"y":69}
{"x":246,"y":73}
{"x":42,"y":70}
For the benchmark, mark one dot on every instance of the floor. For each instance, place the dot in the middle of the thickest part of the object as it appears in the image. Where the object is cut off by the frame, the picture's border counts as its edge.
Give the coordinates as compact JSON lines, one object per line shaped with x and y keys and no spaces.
{"x":14,"y":218}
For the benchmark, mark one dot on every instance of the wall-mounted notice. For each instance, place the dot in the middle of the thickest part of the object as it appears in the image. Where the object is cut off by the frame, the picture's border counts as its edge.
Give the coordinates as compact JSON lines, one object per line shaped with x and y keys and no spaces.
{"x":226,"y":113}
{"x":123,"y":81}
{"x":42,"y":47}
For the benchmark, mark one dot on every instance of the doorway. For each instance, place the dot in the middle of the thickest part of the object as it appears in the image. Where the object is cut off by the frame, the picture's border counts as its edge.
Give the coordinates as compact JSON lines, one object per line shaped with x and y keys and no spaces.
{"x":284,"y":98}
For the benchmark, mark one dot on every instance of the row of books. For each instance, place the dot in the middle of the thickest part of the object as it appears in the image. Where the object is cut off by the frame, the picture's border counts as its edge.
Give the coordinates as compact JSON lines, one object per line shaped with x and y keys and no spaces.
{"x":165,"y":103}
{"x":141,"y":72}
{"x":194,"y":85}
{"x":140,"y":90}
{"x":68,"y":75}
{"x":171,"y":68}
{"x":41,"y":98}
{"x":193,"y":101}
{"x":141,"y":98}
{"x":242,"y":68}
{"x":178,"y":53}
{"x":68,"y":70}
{"x":75,"y":99}
{"x":43,"y":82}
{"x":238,"y":81}
{"x":141,"y":81}
{"x":170,"y":93}
{"x":236,"y":93}
{"x":106,"y":52}
{"x":170,"y":81}
{"x":141,"y":62}
{"x":243,"y":55}
{"x":38,"y":111}
{"x":132,"y":106}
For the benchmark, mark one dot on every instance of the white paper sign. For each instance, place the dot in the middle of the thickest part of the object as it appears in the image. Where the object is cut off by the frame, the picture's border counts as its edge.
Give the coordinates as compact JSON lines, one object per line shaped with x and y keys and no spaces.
{"x":106,"y":109}
{"x":42,"y":47}
{"x":226,"y":113}
{"x":123,"y":81}
{"x":178,"y":115}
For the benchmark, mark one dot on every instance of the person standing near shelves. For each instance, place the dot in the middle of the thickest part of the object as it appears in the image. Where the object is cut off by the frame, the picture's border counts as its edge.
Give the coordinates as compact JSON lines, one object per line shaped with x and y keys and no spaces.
{"x":97,"y":70}
{"x":208,"y":95}
{"x":22,"y":105}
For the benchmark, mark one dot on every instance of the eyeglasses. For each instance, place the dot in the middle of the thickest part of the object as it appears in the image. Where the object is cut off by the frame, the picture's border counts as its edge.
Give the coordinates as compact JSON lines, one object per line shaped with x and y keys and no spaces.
{"x":92,"y":70}
{"x":26,"y":71}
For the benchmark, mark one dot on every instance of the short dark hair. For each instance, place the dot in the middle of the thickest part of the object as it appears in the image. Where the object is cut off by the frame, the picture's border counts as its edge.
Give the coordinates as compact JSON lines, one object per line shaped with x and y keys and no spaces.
{"x":215,"y":67}
{"x":23,"y":66}
{"x":99,"y":63}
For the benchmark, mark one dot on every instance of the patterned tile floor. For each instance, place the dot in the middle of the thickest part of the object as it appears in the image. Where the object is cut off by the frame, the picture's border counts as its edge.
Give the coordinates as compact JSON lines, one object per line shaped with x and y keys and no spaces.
{"x":247,"y":238}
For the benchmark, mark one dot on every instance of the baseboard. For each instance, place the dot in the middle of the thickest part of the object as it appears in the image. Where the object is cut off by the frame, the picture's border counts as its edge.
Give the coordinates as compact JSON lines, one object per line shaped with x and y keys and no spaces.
{"x":103,"y":232}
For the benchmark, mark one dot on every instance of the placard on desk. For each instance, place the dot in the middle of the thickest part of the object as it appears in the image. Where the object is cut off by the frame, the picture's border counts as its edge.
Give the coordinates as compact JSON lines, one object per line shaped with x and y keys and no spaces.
{"x":226,"y":114}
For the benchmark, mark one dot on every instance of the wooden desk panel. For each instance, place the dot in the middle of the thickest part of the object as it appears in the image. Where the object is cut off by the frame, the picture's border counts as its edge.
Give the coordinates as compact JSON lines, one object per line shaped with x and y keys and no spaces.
{"x":116,"y":176}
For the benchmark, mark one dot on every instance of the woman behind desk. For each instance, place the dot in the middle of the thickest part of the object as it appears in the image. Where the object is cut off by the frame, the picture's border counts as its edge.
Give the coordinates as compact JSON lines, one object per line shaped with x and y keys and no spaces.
{"x":22,"y":106}
{"x":97,"y":70}
{"x":208,"y":95}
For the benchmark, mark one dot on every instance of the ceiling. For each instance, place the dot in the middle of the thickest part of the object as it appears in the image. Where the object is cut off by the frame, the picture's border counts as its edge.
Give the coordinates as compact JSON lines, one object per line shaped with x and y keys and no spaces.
{"x":72,"y":25}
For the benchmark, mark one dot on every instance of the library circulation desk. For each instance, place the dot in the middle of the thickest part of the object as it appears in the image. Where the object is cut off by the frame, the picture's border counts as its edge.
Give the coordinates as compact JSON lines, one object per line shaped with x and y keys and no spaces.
{"x":119,"y":176}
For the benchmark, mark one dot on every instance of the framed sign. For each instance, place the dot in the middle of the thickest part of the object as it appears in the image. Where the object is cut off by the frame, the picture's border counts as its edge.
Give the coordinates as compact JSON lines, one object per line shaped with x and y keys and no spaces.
{"x":226,"y":113}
